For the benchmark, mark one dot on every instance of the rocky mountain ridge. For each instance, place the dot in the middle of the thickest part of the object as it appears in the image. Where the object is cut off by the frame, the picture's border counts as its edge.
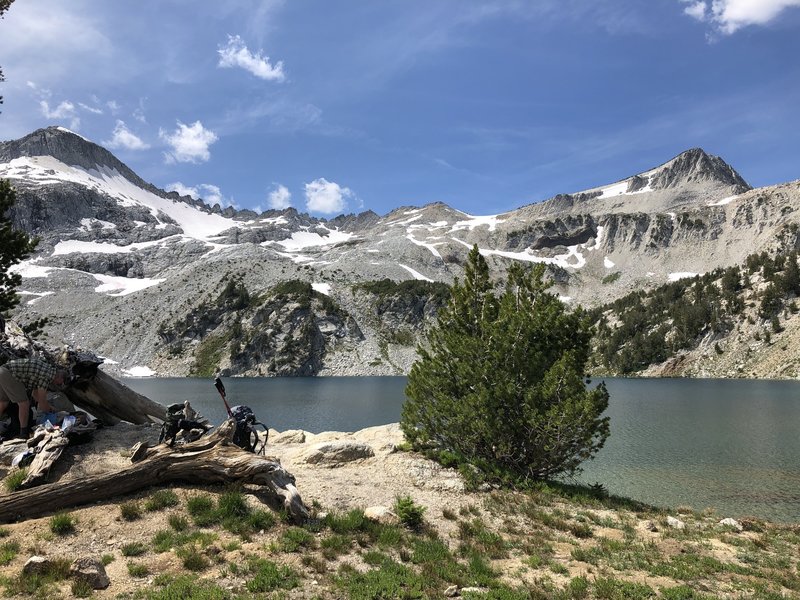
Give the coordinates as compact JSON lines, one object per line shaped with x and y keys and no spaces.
{"x":120,"y":260}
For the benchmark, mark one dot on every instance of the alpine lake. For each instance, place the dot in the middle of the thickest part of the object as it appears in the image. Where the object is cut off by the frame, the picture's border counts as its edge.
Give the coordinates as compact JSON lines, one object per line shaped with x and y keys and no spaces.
{"x":730,"y":445}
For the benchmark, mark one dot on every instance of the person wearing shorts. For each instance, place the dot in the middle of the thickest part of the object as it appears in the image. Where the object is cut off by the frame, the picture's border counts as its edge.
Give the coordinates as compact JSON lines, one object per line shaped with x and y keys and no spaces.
{"x":24,"y":376}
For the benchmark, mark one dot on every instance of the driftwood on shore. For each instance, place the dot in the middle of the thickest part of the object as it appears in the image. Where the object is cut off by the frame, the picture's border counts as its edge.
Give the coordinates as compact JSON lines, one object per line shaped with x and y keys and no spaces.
{"x":212,"y":459}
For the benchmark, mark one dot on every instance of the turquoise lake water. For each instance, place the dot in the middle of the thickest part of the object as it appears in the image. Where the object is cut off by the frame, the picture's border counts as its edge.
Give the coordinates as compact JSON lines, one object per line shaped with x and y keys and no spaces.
{"x":728,"y":444}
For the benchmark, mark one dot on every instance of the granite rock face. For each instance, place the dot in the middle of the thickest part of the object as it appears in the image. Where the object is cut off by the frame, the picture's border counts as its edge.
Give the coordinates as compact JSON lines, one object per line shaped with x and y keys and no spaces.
{"x":136,"y":272}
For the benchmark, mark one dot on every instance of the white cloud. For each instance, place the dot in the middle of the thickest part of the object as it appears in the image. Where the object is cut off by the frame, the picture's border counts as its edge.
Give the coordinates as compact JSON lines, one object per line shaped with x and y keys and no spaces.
{"x":208,"y":192}
{"x":65,"y":110}
{"x":326,"y":197}
{"x":113,"y":106}
{"x":189,"y":143}
{"x":696,"y":10}
{"x":122,"y":137}
{"x":728,"y":16}
{"x":91,"y":109}
{"x":236,"y":54}
{"x":280,"y":197}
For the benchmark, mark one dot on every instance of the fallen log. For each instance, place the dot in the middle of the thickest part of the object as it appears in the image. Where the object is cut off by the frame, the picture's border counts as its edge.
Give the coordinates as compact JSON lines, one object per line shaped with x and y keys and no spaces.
{"x":110,"y":401}
{"x":48,"y":449}
{"x":212,"y":459}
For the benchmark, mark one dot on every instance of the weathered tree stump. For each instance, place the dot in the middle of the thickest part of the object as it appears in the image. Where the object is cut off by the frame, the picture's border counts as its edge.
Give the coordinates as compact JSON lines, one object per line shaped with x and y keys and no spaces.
{"x":210,"y":460}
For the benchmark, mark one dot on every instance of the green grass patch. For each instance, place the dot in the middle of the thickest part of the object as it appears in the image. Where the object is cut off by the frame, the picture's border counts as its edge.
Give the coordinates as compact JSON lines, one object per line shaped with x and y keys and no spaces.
{"x":107,"y":559}
{"x":134,"y":549}
{"x":62,"y":523}
{"x":138,"y":570}
{"x":296,"y":538}
{"x":160,"y":500}
{"x":8,"y":551}
{"x":350,"y":522}
{"x":166,"y":539}
{"x":183,"y":587}
{"x":479,"y":536}
{"x":14,"y":479}
{"x":192,"y":558}
{"x":81,"y":588}
{"x":391,"y":580}
{"x":231,"y":511}
{"x":267,"y":577}
{"x":40,"y":584}
{"x":202,"y":510}
{"x":610,"y":588}
{"x":335,"y":545}
{"x":130,"y":511}
{"x":178,"y":522}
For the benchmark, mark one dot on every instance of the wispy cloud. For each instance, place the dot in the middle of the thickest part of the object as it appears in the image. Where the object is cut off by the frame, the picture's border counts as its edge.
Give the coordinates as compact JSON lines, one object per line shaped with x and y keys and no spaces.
{"x":326,"y":197}
{"x":236,"y":54}
{"x":728,"y":16}
{"x":64,"y":111}
{"x":209,"y":193}
{"x":189,"y":143}
{"x":279,"y":198}
{"x":92,"y":109}
{"x":122,"y":137}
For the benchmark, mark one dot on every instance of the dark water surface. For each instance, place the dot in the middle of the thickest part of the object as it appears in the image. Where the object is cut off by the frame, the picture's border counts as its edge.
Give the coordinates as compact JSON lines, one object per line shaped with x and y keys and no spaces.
{"x":729,"y":444}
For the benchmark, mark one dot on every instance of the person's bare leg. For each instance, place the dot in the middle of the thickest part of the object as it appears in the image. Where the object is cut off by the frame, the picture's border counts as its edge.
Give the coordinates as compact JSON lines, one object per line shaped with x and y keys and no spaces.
{"x":24,"y":413}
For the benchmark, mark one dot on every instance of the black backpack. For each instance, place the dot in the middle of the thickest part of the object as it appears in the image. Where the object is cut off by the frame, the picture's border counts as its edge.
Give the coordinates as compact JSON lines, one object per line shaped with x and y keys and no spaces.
{"x":248,"y":429}
{"x":175,"y":422}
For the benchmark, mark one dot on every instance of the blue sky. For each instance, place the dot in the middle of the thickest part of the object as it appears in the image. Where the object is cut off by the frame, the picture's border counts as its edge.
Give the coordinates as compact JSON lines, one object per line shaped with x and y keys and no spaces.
{"x":346,"y":106}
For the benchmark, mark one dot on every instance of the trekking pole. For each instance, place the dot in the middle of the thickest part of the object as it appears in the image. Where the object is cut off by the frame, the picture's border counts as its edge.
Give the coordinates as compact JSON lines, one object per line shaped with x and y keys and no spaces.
{"x":221,"y":390}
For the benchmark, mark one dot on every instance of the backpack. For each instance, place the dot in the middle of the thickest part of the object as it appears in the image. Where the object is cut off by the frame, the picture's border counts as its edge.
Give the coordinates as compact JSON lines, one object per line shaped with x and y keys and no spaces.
{"x":248,"y":428}
{"x":175,"y":422}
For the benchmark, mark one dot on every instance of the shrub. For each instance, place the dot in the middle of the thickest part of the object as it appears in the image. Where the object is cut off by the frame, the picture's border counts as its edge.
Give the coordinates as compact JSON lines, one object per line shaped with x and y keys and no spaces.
{"x":497,"y":368}
{"x":409,"y":513}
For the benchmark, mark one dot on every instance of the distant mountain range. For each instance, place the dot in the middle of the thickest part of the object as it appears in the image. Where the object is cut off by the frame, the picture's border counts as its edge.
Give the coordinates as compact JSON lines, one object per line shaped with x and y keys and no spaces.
{"x":163,"y":283}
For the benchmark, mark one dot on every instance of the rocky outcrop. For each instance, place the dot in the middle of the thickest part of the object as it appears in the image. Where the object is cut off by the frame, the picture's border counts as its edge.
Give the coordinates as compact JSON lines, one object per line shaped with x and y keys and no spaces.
{"x":695,"y":166}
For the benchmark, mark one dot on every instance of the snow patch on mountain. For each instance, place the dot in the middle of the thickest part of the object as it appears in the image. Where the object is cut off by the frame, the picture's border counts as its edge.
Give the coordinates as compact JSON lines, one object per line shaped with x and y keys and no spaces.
{"x":416,"y":274}
{"x":123,"y":286}
{"x":301,"y":240}
{"x":681,"y":275}
{"x":492,"y":221}
{"x":431,"y":247}
{"x":139,"y":371}
{"x":39,"y":296}
{"x":724,"y":201}
{"x":322,"y":288}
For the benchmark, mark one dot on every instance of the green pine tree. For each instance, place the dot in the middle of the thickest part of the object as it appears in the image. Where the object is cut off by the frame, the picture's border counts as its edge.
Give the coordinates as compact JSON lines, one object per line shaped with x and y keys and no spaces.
{"x":15,"y":245}
{"x":500,"y":385}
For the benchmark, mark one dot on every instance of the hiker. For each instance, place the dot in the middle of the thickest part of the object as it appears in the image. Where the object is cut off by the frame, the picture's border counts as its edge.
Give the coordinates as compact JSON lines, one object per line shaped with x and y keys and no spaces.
{"x":20,"y":377}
